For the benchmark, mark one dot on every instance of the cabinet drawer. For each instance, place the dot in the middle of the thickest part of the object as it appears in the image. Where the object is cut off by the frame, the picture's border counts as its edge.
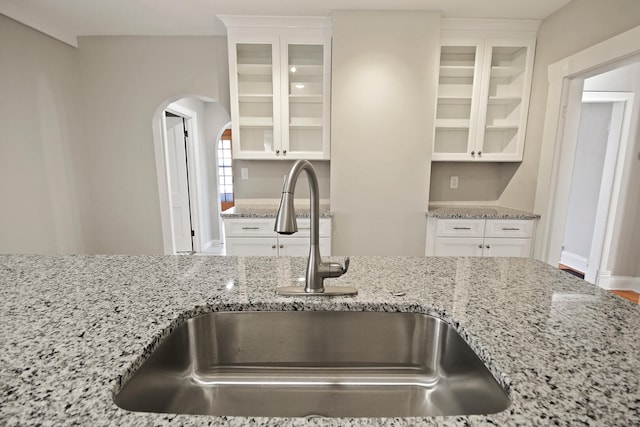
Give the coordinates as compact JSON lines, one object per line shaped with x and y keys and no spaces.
{"x":304,"y":228}
{"x":509,"y":228}
{"x":249,"y":227}
{"x":460,"y":228}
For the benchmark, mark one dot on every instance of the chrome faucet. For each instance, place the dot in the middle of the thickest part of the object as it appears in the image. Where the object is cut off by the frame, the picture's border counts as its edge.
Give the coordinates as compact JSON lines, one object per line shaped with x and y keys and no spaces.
{"x":286,"y":223}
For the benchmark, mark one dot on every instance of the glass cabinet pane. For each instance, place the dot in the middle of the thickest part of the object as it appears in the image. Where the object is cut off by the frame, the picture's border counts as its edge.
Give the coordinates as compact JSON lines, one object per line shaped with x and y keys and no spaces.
{"x":504,"y":101}
{"x":255,"y":96}
{"x":305,"y":97}
{"x":455,"y":92}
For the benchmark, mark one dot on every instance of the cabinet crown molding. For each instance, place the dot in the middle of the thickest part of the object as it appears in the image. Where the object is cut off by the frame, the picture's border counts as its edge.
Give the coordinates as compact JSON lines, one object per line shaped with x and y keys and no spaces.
{"x":280,"y":22}
{"x":471,"y":24}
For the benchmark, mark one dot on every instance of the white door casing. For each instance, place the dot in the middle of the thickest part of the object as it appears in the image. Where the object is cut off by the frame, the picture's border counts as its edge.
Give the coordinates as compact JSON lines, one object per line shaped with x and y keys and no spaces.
{"x":178,"y":184}
{"x":566,"y":79}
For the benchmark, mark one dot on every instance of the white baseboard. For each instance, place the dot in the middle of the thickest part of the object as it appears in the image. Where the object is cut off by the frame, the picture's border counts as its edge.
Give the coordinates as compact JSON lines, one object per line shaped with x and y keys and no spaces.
{"x":574,"y":261}
{"x":209,"y":244}
{"x":620,"y":283}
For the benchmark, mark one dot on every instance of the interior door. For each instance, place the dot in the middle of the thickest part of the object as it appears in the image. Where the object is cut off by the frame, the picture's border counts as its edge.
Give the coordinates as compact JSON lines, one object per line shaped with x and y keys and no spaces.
{"x":178,"y":183}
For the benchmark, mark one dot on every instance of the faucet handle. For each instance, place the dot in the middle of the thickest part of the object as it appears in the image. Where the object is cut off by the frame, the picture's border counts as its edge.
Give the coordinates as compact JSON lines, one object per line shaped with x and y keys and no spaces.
{"x":346,"y":265}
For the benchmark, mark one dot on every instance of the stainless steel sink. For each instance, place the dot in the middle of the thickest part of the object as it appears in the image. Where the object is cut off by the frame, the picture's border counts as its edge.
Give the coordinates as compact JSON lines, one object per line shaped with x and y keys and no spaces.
{"x":326,"y":363}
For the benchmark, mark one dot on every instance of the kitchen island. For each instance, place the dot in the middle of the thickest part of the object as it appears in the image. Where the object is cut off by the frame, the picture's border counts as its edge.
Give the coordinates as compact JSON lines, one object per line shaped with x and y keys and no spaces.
{"x":73,"y":327}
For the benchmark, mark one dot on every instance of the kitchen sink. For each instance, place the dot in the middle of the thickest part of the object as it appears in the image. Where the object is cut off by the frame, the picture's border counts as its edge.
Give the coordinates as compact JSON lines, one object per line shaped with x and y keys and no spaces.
{"x":313,"y":363}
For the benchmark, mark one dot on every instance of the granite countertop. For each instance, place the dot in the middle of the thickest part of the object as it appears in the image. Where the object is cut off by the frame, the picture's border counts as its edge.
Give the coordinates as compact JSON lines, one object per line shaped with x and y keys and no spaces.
{"x":270,"y":211}
{"x":479,"y":212}
{"x":73,"y":326}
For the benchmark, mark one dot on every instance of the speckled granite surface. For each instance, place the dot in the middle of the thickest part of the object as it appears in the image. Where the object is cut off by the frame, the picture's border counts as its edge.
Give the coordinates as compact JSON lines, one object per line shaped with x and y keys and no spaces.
{"x":72,"y":326}
{"x":481,"y":212}
{"x":270,"y":211}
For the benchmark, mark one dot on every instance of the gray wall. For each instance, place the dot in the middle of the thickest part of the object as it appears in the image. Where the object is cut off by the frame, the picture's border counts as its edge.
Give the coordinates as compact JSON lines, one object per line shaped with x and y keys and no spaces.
{"x":577,"y":26}
{"x":124,"y":81}
{"x":384,"y":81}
{"x":266,"y":178}
{"x":43,"y":172}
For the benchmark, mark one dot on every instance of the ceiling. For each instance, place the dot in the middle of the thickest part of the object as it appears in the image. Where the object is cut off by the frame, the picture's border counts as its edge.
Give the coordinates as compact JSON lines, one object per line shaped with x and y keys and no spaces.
{"x":67,"y":19}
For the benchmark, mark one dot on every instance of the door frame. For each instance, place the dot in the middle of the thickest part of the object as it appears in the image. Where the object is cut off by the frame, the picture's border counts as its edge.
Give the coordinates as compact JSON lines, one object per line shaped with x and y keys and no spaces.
{"x":162,"y":167}
{"x":611,"y":182}
{"x":566,"y":83}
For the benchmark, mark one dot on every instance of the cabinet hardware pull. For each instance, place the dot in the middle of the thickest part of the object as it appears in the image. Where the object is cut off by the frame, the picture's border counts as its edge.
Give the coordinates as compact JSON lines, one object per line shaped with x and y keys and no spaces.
{"x":462,"y":228}
{"x":480,"y":245}
{"x":479,"y":153}
{"x":284,"y":152}
{"x":273,"y":246}
{"x":488,"y":247}
{"x":473,"y":154}
{"x":510,"y":228}
{"x":277,"y":152}
{"x":251,"y":228}
{"x":281,"y":246}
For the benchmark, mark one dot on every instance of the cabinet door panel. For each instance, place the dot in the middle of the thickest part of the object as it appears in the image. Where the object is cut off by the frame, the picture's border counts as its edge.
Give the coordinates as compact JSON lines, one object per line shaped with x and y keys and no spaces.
{"x":247,"y":246}
{"x":458,"y":95}
{"x":458,"y":246}
{"x":519,"y":248}
{"x":254,"y":99}
{"x":303,"y":109}
{"x":504,"y":99}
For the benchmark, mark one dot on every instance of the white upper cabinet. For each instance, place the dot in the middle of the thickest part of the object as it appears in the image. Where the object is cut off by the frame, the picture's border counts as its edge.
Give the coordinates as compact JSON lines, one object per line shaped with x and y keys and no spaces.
{"x":280,"y":87}
{"x":483,"y":95}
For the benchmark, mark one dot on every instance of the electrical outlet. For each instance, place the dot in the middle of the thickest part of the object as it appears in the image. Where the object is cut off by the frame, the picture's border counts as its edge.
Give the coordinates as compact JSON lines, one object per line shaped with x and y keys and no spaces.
{"x":244,"y":173}
{"x":453,"y":183}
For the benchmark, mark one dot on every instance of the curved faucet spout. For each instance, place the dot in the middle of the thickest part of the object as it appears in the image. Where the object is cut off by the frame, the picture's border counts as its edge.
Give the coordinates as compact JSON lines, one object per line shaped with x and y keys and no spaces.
{"x":286,"y":223}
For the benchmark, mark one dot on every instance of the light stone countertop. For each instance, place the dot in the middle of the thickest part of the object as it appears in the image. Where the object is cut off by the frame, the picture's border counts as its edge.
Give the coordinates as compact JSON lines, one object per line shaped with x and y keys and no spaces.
{"x":73,"y":326}
{"x":270,"y":211}
{"x":479,"y":212}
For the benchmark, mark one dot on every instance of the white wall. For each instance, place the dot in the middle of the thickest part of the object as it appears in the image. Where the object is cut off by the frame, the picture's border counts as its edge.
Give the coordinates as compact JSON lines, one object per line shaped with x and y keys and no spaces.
{"x":124,"y":81}
{"x":217,"y":118}
{"x":211,"y":119}
{"x":384,"y":81}
{"x":625,"y":253}
{"x":587,"y":175}
{"x":42,"y":163}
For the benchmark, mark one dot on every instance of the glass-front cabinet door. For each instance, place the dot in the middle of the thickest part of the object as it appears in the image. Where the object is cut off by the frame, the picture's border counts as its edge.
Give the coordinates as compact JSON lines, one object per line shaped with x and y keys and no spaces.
{"x":306,"y":98}
{"x":458,"y":96}
{"x":280,"y":89}
{"x":256,"y":114}
{"x":483,"y":97}
{"x":505,"y":99}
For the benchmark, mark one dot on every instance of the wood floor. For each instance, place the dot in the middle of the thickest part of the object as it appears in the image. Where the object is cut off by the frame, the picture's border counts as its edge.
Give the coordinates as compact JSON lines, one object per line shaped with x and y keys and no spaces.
{"x":628,"y":295}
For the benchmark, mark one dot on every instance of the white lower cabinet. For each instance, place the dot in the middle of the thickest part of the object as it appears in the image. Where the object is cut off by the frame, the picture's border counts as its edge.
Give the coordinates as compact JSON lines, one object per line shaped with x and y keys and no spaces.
{"x":479,"y":237}
{"x":255,"y":237}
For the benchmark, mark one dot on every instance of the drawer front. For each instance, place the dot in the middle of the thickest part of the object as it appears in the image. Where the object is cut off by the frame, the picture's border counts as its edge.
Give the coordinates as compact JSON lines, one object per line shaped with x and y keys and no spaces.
{"x":304,"y":228}
{"x":249,"y":227}
{"x":521,"y":228}
{"x":460,"y":228}
{"x":263,"y":227}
